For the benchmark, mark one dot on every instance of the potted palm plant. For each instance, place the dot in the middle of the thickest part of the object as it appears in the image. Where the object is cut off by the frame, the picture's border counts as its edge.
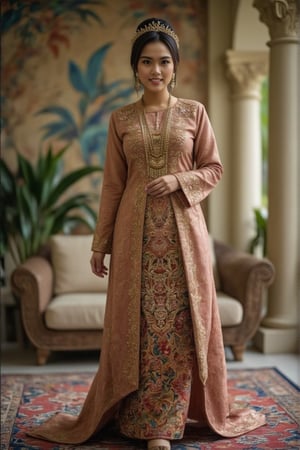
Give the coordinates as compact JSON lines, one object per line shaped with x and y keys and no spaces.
{"x":36,"y":205}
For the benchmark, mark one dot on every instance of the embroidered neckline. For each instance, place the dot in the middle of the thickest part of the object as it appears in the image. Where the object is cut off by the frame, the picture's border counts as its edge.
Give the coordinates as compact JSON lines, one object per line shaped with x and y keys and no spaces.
{"x":156,"y":143}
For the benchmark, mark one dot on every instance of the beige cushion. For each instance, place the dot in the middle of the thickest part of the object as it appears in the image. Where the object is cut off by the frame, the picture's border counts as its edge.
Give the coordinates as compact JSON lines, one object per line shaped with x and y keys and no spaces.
{"x":71,"y":256}
{"x":231,"y":310}
{"x":76,"y":312}
{"x":214,"y":264}
{"x":86,"y":311}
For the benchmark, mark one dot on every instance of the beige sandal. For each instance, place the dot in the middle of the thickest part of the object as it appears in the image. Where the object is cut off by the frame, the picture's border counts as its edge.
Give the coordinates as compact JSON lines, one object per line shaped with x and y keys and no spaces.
{"x":159,"y":444}
{"x":159,"y":447}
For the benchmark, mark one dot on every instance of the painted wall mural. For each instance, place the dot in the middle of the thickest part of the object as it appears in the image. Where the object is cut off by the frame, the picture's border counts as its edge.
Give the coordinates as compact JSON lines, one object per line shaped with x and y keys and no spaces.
{"x":65,"y":67}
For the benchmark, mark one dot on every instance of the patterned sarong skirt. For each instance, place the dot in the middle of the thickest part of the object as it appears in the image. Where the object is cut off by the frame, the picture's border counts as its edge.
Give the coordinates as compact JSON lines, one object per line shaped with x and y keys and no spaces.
{"x":158,"y":409}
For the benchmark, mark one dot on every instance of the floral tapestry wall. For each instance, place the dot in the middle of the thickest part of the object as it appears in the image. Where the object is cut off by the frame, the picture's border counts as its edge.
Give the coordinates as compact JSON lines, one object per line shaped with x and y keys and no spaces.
{"x":65,"y":67}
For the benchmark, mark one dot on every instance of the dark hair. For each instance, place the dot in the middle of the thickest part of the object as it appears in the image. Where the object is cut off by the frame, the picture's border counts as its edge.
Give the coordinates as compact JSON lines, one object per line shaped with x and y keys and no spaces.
{"x":153,"y":36}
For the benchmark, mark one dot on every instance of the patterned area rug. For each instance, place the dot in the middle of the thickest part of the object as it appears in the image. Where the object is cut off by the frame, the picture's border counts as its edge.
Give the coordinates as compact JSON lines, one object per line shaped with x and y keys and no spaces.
{"x":30,"y":399}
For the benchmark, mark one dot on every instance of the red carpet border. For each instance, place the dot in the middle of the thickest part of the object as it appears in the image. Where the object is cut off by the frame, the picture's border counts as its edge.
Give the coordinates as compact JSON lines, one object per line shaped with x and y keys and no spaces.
{"x":27,"y":400}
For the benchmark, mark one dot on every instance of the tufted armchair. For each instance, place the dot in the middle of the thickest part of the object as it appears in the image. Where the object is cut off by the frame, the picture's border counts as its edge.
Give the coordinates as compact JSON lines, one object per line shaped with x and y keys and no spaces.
{"x":62,"y":303}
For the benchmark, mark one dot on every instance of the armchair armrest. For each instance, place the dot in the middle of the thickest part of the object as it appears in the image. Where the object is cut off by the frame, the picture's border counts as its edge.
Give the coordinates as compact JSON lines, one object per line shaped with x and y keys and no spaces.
{"x":242,"y":275}
{"x":34,"y":276}
{"x":32,"y":284}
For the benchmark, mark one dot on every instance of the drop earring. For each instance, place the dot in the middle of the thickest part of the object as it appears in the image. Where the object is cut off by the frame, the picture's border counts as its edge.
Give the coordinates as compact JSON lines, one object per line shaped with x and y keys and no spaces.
{"x":173,"y":81}
{"x":137,"y":84}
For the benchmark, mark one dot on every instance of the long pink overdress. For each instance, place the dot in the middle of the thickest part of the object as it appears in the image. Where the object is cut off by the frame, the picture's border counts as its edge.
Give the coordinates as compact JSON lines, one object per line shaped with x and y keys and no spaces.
{"x":193,"y":157}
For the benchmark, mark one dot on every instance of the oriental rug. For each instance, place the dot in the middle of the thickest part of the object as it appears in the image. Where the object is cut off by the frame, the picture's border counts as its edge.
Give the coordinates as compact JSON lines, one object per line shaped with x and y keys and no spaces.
{"x":28,"y":399}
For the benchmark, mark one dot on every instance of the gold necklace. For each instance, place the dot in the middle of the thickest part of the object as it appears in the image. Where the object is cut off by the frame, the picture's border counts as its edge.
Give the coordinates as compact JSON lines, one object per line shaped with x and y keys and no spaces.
{"x":156,"y":144}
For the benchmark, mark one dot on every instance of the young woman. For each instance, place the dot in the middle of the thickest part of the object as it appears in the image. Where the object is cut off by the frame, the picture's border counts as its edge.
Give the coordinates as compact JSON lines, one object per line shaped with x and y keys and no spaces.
{"x":162,"y":358}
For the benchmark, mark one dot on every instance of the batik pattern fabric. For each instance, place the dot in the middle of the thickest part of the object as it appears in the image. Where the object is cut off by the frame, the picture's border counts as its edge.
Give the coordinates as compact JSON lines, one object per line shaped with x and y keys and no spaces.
{"x":167,"y":350}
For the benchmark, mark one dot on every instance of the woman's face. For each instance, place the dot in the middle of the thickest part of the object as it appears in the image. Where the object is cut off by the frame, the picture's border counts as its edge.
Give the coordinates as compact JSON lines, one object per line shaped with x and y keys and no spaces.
{"x":155,"y":67}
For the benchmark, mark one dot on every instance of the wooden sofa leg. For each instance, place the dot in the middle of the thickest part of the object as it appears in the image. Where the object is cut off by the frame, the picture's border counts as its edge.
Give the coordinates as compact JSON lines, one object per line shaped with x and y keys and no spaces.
{"x":42,"y":356}
{"x":238,"y":352}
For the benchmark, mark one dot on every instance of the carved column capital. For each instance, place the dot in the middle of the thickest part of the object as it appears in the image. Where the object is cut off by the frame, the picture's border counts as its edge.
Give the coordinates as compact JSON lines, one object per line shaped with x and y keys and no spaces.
{"x":280,"y":16}
{"x":246,"y":70}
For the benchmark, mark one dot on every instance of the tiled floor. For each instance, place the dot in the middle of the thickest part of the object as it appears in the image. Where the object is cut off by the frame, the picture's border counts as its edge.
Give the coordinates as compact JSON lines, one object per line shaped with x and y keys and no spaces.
{"x":16,"y":360}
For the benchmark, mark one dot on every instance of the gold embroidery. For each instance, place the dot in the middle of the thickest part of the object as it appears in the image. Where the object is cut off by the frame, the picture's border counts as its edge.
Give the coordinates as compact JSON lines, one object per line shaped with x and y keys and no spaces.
{"x":130,"y":370}
{"x":126,"y":113}
{"x":200,"y":337}
{"x":191,"y":185}
{"x":101,"y":244}
{"x":131,"y":134}
{"x":179,"y":142}
{"x":156,"y":144}
{"x":186,"y":110}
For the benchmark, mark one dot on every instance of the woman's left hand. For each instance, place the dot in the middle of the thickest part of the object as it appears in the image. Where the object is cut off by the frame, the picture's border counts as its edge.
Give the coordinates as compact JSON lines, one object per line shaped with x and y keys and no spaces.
{"x":162,"y":186}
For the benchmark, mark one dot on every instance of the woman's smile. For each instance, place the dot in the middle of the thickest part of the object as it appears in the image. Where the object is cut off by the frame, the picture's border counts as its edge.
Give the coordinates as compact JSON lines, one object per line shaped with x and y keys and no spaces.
{"x":155,"y":80}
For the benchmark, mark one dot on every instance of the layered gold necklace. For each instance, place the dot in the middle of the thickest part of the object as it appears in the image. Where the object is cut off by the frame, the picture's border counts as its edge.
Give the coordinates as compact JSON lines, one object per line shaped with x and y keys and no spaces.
{"x":156,"y":143}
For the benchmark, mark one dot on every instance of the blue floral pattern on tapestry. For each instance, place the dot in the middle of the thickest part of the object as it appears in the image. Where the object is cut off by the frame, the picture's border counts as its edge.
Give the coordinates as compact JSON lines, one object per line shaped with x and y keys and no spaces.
{"x":91,"y":130}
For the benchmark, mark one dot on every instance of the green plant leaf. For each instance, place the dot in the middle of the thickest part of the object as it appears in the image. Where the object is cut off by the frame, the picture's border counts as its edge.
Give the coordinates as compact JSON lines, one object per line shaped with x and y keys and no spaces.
{"x":69,"y":180}
{"x":260,"y":237}
{"x":37,"y":204}
{"x":7,"y":179}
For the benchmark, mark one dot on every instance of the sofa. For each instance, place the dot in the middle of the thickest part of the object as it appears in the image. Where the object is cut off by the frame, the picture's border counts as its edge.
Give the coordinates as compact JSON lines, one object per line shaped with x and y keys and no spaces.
{"x":63,"y":304}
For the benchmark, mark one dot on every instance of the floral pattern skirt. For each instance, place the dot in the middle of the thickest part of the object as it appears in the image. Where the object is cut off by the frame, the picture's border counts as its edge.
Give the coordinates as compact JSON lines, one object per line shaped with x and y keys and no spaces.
{"x":158,"y":409}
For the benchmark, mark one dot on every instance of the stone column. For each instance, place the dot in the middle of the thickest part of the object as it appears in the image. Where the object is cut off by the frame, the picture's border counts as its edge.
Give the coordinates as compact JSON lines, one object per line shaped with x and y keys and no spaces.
{"x":246,"y":70}
{"x":279,"y":331}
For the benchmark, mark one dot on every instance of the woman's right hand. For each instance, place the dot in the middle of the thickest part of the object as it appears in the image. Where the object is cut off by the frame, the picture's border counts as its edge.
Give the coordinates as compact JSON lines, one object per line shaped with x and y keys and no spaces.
{"x":97,"y":264}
